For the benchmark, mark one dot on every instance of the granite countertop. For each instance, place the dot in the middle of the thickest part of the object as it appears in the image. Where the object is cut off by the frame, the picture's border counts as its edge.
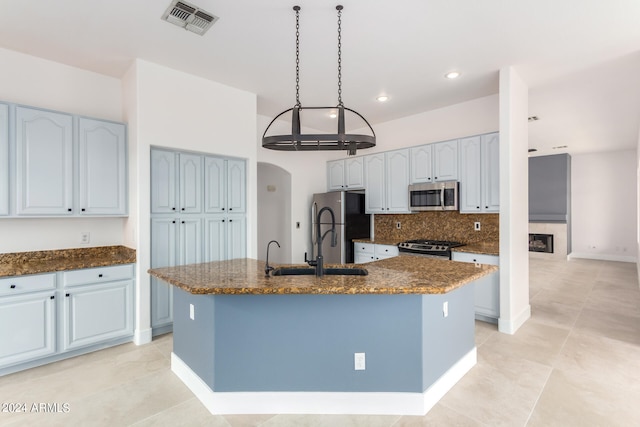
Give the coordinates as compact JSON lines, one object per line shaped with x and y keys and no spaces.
{"x":21,"y":263}
{"x":485,"y":248}
{"x":392,"y":242}
{"x":404,"y":274}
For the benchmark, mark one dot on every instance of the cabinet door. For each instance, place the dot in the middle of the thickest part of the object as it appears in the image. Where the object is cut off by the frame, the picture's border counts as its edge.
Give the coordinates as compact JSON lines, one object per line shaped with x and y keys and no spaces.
{"x":421,"y":164}
{"x":97,"y":313}
{"x":190,"y":187}
{"x":470,"y":175}
{"x":487,"y":288}
{"x":354,"y":173}
{"x":491,"y":172}
{"x":397,"y":173}
{"x":27,"y":327}
{"x":163,"y":181}
{"x":190,"y":249}
{"x":215,"y":236}
{"x":236,"y":237}
{"x":335,"y":175}
{"x":215,"y":184}
{"x":236,"y":186}
{"x":385,"y":251}
{"x":163,"y":254}
{"x":374,"y":172}
{"x":4,"y":159}
{"x":102,"y":173}
{"x":44,"y":169}
{"x":445,"y":164}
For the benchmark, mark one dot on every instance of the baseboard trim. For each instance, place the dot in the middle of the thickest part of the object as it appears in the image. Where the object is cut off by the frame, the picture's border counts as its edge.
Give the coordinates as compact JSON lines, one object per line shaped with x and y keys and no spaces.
{"x":510,"y":326}
{"x":373,"y":403}
{"x":602,"y":257}
{"x":142,"y":336}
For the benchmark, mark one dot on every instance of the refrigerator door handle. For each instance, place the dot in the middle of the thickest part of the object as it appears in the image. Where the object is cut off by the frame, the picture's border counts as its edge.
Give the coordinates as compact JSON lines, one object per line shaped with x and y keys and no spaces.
{"x":314,"y":238}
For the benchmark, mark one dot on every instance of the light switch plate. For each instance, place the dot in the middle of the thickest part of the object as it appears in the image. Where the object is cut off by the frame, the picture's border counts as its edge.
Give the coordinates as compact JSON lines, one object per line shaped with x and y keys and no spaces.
{"x":359,"y":361}
{"x":192,"y":312}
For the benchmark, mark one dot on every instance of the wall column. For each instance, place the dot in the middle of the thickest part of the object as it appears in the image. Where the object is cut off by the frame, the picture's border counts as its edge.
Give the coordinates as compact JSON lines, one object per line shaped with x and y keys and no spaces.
{"x":514,"y":202}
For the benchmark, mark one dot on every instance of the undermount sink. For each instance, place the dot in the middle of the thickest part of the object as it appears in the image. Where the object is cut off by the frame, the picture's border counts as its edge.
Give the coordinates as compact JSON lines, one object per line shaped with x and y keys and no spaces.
{"x":304,"y":271}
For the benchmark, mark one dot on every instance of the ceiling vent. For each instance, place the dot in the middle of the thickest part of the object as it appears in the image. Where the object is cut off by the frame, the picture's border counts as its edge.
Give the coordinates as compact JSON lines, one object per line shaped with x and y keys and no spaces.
{"x":189,"y":17}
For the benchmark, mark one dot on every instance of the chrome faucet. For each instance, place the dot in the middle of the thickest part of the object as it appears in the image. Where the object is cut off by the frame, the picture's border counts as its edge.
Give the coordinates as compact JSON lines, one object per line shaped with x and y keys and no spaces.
{"x":319,"y":261}
{"x":267,"y":267}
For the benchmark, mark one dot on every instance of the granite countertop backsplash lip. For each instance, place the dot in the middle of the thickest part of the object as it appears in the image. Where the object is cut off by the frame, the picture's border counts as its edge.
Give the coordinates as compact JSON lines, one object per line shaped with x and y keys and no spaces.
{"x":37,"y":262}
{"x":484,"y":248}
{"x":403,"y":274}
{"x":392,"y":242}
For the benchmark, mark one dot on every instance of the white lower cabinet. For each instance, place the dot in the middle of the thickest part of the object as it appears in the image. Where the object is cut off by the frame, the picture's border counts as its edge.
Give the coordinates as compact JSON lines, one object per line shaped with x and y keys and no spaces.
{"x":367,"y":252}
{"x":48,"y":317}
{"x":487,"y":288}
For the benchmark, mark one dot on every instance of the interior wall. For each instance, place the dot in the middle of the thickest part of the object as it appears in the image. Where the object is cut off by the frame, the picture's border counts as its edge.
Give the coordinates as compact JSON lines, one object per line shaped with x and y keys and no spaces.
{"x":604,"y":208}
{"x":176,"y":110}
{"x":274,"y":213}
{"x":37,"y":82}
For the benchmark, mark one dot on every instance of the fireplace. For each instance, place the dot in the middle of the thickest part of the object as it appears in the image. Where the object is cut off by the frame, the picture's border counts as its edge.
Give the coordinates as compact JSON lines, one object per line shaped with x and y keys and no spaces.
{"x":541,"y":243}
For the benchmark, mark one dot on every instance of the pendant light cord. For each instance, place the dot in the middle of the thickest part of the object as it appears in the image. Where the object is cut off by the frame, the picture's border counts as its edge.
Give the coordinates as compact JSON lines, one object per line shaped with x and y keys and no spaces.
{"x":339,"y":9}
{"x":297,"y":9}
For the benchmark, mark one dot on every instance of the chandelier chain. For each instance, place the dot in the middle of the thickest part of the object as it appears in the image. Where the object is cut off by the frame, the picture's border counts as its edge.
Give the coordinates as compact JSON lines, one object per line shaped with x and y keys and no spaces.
{"x":297,"y":9}
{"x":340,"y":56}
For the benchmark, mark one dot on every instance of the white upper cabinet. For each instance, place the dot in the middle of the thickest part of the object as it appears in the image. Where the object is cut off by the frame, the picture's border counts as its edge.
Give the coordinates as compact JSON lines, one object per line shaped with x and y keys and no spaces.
{"x":225,"y":185}
{"x":491,"y":172}
{"x":347,"y":174}
{"x":4,"y":159}
{"x":421,"y":164}
{"x":480,"y":174}
{"x":163,"y":181}
{"x":445,"y":161}
{"x":103,"y":170}
{"x":44,"y":162}
{"x":387,"y":180}
{"x":190,"y":183}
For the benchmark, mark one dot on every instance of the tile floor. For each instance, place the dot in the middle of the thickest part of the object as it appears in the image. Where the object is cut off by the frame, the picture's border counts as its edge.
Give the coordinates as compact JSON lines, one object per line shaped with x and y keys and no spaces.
{"x":576,"y":362}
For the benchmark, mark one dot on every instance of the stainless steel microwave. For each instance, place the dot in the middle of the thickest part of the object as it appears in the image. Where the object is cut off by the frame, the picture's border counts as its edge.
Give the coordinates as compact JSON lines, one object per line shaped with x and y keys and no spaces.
{"x":434,"y":196}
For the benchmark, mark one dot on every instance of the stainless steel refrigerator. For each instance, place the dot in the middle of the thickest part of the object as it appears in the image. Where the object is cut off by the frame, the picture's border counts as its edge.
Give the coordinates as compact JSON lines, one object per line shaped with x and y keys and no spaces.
{"x":351,"y":223}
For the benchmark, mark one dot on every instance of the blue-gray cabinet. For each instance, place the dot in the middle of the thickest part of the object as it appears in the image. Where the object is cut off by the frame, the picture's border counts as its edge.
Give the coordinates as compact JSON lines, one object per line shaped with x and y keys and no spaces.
{"x":487,"y":288}
{"x":27,"y":318}
{"x":4,"y":159}
{"x":198,"y":205}
{"x":480,"y":174}
{"x":44,"y":162}
{"x":52,"y":316}
{"x":102,"y":161}
{"x":97,"y":305}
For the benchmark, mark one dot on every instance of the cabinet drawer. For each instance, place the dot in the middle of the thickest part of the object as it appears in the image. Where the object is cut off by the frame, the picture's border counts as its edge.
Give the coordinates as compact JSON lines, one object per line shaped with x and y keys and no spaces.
{"x":476,"y":258}
{"x":23,"y":284}
{"x":364,"y":248}
{"x":97,"y":275}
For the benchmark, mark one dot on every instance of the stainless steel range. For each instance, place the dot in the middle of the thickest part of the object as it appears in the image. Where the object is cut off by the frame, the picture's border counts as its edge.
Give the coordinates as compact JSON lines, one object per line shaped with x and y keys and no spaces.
{"x":429,"y":248}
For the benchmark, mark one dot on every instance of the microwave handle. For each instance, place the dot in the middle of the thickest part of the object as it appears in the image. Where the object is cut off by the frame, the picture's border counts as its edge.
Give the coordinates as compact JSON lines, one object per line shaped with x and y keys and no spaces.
{"x":442,"y":192}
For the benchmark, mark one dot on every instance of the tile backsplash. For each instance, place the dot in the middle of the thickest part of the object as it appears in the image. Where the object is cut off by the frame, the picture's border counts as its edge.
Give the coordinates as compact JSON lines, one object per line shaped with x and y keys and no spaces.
{"x":452,"y":226}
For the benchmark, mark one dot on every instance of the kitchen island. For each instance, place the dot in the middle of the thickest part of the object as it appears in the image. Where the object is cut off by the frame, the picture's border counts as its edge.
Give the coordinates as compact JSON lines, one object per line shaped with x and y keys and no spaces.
{"x":246,"y":343}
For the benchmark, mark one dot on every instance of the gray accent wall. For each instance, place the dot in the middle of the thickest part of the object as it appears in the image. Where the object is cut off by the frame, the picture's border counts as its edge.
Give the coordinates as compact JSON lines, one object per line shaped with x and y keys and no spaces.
{"x":550,"y":188}
{"x":307,"y":342}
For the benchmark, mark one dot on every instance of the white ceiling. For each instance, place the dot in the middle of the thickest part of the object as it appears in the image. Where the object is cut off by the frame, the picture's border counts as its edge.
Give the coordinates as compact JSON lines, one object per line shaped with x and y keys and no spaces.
{"x":580,"y":58}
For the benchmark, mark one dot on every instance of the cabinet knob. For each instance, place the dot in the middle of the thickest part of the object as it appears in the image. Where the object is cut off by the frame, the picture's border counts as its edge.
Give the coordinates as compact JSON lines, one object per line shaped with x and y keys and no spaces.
{"x":69,"y":210}
{"x":182,"y":209}
{"x":230,"y":220}
{"x":173,"y":209}
{"x":173,"y":222}
{"x":12,"y":286}
{"x":183,"y":222}
{"x":99,"y":275}
{"x":477,"y":207}
{"x":83,"y":209}
{"x":486,"y":207}
{"x":222,"y":208}
{"x":436,"y":177}
{"x":230,"y":209}
{"x":223,"y":220}
{"x":52,"y":297}
{"x":66,"y":295}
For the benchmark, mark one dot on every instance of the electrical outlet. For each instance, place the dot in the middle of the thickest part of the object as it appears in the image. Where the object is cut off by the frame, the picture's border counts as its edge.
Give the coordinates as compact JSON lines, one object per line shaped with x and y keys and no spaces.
{"x":476,"y":225}
{"x":398,"y":225}
{"x":192,"y":312}
{"x":359,"y":361}
{"x":85,"y":237}
{"x":445,"y":309}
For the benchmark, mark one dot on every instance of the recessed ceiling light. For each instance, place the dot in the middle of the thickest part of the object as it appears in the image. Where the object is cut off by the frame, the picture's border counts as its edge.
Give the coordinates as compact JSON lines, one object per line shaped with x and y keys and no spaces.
{"x":382,"y":98}
{"x":452,"y":75}
{"x":333,"y":115}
